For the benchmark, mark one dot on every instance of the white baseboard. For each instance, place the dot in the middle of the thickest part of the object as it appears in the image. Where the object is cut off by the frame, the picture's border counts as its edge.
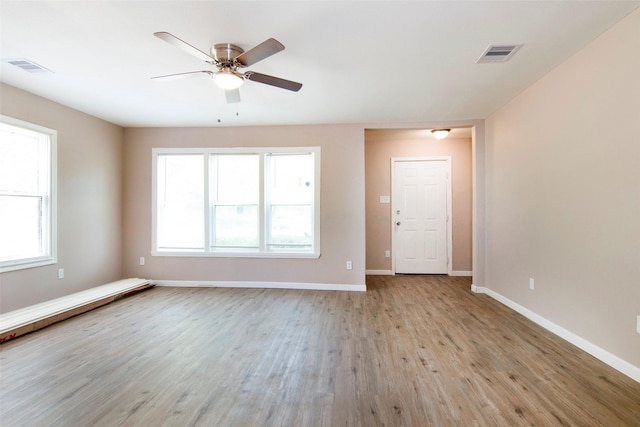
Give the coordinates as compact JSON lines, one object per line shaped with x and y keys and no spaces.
{"x":610,"y":359}
{"x":261,"y":285}
{"x":391,"y":273}
{"x":380,"y":272}
{"x":462,"y":273}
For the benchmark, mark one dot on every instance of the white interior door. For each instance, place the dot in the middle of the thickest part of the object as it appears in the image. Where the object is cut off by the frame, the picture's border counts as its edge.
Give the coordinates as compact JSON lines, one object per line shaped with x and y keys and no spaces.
{"x":420,"y":214}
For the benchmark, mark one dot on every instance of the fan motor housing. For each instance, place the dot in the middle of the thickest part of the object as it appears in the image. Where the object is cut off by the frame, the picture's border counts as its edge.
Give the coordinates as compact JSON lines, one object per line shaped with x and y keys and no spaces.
{"x":226,"y":52}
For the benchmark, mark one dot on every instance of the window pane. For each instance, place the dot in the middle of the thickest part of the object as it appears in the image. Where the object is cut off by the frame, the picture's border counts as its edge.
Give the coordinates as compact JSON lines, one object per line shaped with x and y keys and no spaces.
{"x":291,"y":178}
{"x":180,"y":201}
{"x":20,"y":227}
{"x":236,"y":180}
{"x":291,"y":226}
{"x":20,"y":160}
{"x":290,"y":199}
{"x":236,"y":226}
{"x":235,"y":184}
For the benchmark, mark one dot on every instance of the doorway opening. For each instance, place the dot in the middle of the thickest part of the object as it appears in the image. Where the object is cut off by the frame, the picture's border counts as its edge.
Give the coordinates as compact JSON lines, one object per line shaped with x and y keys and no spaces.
{"x":383,"y":249}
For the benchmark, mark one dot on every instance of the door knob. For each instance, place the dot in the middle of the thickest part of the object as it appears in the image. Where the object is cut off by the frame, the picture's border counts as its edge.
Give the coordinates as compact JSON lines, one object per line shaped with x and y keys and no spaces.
{"x":397,"y":222}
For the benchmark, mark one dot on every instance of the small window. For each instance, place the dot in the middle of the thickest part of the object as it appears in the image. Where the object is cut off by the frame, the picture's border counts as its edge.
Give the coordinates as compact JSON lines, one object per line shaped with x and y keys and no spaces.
{"x":290,"y":200}
{"x":235,"y":202}
{"x":258,"y":202}
{"x":180,"y":206}
{"x":27,"y":195}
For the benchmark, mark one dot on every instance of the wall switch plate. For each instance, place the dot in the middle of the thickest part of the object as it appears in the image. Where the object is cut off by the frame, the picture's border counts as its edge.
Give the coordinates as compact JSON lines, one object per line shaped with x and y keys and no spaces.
{"x":349,"y":265}
{"x":141,"y":260}
{"x":385,"y":199}
{"x":61,"y":273}
{"x":387,"y":254}
{"x":638,"y":324}
{"x":532,"y":285}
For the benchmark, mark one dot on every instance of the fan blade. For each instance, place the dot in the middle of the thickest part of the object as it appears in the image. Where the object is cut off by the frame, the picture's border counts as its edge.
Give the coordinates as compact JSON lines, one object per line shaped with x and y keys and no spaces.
{"x":183,"y":45}
{"x":233,"y":96}
{"x":260,"y":52}
{"x":273,"y":81}
{"x":180,"y":75}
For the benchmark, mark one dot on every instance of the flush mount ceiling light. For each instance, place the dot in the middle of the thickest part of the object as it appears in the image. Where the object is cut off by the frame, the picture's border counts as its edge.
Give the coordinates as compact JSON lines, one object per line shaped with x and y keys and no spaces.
{"x":440,"y":133}
{"x":228,"y":79}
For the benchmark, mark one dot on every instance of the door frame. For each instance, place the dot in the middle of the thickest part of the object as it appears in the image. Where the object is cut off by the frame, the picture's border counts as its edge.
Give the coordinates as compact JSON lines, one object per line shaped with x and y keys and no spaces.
{"x":394,"y":243}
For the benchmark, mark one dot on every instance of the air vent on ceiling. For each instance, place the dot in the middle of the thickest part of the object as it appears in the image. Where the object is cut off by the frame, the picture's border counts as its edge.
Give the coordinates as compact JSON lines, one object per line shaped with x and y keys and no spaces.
{"x":28,"y":66}
{"x":499,"y":53}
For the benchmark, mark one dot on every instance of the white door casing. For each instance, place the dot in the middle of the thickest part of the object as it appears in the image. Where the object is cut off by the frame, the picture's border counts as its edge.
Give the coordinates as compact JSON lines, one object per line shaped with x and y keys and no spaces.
{"x":421,"y":212}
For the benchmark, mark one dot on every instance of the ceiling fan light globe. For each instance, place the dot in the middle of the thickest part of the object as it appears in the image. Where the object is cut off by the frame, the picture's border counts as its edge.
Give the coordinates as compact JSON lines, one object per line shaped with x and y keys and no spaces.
{"x":228,"y":80}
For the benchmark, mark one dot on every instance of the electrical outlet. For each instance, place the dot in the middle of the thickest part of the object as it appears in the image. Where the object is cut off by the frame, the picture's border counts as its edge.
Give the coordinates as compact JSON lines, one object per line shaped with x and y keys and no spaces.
{"x":61,"y":273}
{"x":532,"y":285}
{"x":349,"y":265}
{"x":141,"y":260}
{"x":387,"y":254}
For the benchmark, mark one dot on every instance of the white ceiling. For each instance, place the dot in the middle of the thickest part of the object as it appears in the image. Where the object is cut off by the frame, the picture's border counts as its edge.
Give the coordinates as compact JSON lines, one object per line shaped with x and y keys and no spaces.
{"x":389,"y":62}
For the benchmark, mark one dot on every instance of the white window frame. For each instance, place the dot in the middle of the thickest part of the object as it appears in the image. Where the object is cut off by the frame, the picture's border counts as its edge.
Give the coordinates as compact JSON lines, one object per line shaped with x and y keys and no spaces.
{"x":262,"y":251}
{"x":49,"y":220}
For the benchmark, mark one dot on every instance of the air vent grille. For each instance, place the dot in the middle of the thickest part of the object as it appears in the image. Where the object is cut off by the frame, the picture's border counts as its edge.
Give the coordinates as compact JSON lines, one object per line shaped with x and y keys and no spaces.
{"x":499,"y":53}
{"x":28,"y":66}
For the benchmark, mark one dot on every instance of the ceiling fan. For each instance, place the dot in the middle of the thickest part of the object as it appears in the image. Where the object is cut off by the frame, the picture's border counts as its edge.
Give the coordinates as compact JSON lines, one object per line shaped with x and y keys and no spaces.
{"x":228,"y":58}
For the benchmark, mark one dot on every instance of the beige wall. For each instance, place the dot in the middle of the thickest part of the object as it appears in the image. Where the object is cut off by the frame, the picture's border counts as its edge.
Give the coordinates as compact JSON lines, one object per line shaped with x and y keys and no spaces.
{"x":380,"y":147}
{"x":89,"y":202}
{"x":563,"y":194}
{"x":341,"y":218}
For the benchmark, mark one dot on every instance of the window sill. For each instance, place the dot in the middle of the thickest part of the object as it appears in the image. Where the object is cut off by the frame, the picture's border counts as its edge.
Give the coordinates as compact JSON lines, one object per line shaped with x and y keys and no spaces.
{"x":24,"y":264}
{"x":283,"y":255}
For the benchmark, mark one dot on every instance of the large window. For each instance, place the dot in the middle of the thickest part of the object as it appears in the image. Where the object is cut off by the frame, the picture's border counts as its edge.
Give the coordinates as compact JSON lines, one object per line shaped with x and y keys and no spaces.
{"x":27,"y":195}
{"x":257,"y":202}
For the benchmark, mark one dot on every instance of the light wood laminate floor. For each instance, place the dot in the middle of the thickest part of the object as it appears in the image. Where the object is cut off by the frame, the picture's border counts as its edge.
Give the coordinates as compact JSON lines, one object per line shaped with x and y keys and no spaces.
{"x":411,"y":351}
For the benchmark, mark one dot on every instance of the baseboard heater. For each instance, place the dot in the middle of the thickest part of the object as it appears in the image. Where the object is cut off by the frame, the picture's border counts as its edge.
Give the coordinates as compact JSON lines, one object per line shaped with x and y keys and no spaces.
{"x":19,"y":322}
